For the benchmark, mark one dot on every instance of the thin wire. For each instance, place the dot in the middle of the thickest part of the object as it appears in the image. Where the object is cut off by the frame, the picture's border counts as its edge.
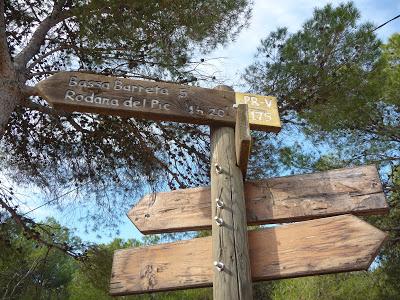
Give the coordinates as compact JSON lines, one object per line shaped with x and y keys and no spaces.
{"x":57,"y":198}
{"x":398,"y":16}
{"x":373,"y":30}
{"x":370,"y":31}
{"x":14,"y":194}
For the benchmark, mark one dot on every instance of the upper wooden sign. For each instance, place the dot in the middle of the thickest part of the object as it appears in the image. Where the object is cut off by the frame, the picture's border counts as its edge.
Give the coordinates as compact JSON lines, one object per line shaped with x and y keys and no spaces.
{"x":74,"y":91}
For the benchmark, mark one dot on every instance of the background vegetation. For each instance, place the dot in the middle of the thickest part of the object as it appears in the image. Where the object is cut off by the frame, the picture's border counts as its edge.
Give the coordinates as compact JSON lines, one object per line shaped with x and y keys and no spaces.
{"x":337,"y":87}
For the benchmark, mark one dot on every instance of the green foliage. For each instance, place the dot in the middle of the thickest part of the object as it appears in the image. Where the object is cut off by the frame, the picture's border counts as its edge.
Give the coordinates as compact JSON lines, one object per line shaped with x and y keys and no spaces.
{"x":390,"y":255}
{"x":391,"y":57}
{"x":163,"y":33}
{"x":29,"y":271}
{"x":58,"y":276}
{"x":107,"y":160}
{"x":352,"y":286}
{"x":336,"y":86}
{"x":338,"y":92}
{"x":82,"y":288}
{"x":91,"y":280}
{"x":326,"y":72}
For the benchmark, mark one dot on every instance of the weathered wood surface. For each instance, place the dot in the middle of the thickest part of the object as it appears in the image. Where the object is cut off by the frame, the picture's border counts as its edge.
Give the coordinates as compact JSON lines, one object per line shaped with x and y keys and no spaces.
{"x":242,"y":138}
{"x":85,"y":92}
{"x":229,"y":226}
{"x":328,"y":245}
{"x":286,"y":199}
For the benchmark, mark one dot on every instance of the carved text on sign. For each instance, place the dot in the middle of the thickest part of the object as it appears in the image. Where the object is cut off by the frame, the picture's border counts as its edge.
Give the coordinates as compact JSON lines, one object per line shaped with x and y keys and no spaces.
{"x":263,"y":110}
{"x":84,"y":92}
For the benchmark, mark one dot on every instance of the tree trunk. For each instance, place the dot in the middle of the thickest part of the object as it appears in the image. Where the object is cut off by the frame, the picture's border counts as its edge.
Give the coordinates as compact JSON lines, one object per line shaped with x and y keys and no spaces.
{"x":10,"y":97}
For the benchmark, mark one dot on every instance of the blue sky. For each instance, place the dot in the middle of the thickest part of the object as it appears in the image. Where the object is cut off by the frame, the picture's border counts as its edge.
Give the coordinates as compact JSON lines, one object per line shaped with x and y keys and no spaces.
{"x":269,"y":15}
{"x":232,"y":60}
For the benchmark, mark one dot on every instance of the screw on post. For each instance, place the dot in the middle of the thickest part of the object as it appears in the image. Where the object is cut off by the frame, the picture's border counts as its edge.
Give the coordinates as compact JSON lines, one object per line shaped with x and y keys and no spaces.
{"x":219,"y":265}
{"x":218,"y":169}
{"x":219,"y":221}
{"x":220,"y":203}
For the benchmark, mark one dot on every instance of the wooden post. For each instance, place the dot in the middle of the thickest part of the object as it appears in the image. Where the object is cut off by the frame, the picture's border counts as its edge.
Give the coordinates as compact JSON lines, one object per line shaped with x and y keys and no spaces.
{"x":232,"y":274}
{"x":242,"y":138}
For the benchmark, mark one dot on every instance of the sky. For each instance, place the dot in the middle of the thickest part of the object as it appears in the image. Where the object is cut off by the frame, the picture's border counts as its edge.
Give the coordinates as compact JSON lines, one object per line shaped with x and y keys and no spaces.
{"x":269,"y":15}
{"x":228,"y":63}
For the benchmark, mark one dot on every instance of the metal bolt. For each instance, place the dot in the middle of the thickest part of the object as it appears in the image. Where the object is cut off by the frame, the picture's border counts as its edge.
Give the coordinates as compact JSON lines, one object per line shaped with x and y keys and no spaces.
{"x":219,"y":221}
{"x":219,"y":265}
{"x":220,"y":203}
{"x":218,"y":169}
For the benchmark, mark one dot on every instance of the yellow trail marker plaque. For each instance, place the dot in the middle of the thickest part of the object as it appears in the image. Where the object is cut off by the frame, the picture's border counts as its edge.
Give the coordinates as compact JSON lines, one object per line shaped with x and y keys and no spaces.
{"x":263,"y":110}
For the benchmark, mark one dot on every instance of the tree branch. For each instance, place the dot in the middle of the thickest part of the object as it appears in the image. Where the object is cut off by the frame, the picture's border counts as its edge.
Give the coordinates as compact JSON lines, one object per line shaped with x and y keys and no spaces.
{"x":32,"y":75}
{"x":55,"y":114}
{"x":34,"y":234}
{"x":48,"y":53}
{"x":33,"y":10}
{"x":5,"y":61}
{"x":38,"y":37}
{"x":395,"y":240}
{"x":151,"y":154}
{"x":391,"y":229}
{"x":5,"y":296}
{"x":33,"y":267}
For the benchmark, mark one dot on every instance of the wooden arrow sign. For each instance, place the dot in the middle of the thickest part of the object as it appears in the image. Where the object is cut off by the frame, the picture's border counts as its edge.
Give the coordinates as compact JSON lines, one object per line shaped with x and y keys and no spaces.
{"x":285,"y":199}
{"x":74,"y":91}
{"x":329,"y":245}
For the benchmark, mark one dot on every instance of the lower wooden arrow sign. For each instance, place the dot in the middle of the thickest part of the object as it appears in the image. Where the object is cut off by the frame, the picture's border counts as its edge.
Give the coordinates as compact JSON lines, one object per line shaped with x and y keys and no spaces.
{"x":329,"y":245}
{"x":277,"y":200}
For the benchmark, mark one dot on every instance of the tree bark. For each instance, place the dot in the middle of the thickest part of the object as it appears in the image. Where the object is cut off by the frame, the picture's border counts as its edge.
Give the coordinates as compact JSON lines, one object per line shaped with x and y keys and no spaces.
{"x":5,"y":58}
{"x":10,"y":93}
{"x":38,"y":37}
{"x":10,"y":97}
{"x":13,"y":74}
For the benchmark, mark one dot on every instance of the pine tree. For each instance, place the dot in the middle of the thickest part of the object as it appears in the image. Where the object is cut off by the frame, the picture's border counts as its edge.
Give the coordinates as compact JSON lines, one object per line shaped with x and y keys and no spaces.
{"x":104,"y":157}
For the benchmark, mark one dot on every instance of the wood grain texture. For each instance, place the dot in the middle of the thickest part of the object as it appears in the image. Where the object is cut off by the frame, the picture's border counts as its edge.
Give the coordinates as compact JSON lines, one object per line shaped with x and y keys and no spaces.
{"x":85,"y":92}
{"x":242,"y":138}
{"x":328,"y":245}
{"x":229,"y":240}
{"x":286,"y":199}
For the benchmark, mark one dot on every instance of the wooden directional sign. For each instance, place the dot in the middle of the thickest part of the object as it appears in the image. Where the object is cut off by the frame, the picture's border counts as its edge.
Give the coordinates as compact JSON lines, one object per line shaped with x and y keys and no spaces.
{"x":286,"y":199}
{"x":74,"y":91}
{"x":329,"y":245}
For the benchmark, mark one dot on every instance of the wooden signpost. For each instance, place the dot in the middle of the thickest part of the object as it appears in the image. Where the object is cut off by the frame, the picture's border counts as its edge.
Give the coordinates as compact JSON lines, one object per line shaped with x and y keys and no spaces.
{"x":230,"y":249}
{"x":277,"y":200}
{"x":329,"y":245}
{"x":85,"y":92}
{"x":233,"y":257}
{"x":242,"y":138}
